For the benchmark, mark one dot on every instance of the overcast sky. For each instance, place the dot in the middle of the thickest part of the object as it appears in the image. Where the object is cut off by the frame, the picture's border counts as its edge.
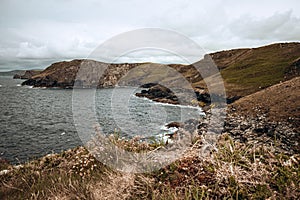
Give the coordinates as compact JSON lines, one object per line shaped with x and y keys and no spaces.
{"x":35,"y":33}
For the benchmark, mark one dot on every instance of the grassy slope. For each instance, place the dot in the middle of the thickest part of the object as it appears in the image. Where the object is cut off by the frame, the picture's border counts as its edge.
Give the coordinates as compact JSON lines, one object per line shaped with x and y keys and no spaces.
{"x":246,"y":71}
{"x":260,"y":68}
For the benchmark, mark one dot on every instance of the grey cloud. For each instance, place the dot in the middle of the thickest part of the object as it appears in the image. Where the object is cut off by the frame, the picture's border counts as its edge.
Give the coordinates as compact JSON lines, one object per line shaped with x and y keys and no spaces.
{"x":34,"y":33}
{"x":280,"y":26}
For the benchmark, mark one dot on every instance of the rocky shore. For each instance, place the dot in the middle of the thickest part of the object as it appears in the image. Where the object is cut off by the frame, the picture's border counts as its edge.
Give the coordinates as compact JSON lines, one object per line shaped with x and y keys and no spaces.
{"x":259,"y":118}
{"x":159,"y":93}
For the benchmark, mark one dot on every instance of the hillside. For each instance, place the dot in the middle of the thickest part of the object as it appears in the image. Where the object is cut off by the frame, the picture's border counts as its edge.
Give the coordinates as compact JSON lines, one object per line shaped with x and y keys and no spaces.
{"x":279,"y":103}
{"x":249,"y":70}
{"x":244,"y":71}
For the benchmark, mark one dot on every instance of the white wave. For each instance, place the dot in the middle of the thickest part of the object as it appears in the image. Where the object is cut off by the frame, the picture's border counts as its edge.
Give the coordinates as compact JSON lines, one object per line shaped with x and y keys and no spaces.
{"x":172,"y":129}
{"x":0,"y":85}
{"x":29,"y":86}
{"x":63,"y":133}
{"x":174,"y":105}
{"x":163,"y":137}
{"x":164,"y":128}
{"x":35,"y":88}
{"x":18,"y":85}
{"x":169,"y":130}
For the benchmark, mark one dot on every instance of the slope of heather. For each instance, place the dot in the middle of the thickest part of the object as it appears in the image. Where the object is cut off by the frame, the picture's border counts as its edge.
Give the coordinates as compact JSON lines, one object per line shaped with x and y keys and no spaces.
{"x":279,"y":103}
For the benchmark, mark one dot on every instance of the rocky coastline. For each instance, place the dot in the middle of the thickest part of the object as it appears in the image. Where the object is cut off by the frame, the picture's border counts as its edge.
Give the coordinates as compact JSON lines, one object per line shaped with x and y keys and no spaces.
{"x":255,"y":154}
{"x":240,"y":69}
{"x":240,"y":86}
{"x":254,"y":120}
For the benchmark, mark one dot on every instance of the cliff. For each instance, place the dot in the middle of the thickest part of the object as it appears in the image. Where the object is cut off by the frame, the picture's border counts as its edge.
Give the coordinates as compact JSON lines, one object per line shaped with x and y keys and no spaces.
{"x":244,"y":71}
{"x":93,"y":74}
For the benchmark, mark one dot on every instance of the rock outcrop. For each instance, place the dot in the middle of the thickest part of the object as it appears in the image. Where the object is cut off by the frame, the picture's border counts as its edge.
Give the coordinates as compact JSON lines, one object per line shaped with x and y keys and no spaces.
{"x":27,"y":74}
{"x":80,"y":73}
{"x":159,"y":93}
{"x":269,"y":117}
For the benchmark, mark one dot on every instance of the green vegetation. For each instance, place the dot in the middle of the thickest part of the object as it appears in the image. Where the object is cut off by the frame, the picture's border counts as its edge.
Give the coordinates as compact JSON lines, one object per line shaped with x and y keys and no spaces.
{"x":246,"y":71}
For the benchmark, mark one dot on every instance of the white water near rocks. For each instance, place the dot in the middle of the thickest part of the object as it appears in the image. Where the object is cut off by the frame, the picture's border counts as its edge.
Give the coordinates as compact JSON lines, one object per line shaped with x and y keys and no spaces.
{"x":38,"y":121}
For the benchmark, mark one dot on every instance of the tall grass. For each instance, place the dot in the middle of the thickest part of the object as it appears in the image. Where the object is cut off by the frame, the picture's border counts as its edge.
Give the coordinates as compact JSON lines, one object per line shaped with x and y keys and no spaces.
{"x":233,"y":171}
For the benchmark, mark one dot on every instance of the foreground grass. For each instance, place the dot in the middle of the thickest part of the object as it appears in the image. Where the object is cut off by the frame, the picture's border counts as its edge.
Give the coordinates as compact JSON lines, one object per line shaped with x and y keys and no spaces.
{"x":235,"y":171}
{"x":232,"y":171}
{"x":63,"y":176}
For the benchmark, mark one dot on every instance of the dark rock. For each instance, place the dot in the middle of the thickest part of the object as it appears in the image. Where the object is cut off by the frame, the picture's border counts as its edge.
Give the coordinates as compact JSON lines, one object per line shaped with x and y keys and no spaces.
{"x":230,"y":100}
{"x":203,"y":97}
{"x":174,"y":124}
{"x":216,"y":98}
{"x":17,"y":76}
{"x":159,"y":93}
{"x":148,"y":85}
{"x":263,"y":129}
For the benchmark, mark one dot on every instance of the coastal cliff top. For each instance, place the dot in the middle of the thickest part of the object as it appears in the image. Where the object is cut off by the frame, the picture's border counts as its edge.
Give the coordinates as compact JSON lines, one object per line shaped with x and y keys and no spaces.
{"x":244,"y":71}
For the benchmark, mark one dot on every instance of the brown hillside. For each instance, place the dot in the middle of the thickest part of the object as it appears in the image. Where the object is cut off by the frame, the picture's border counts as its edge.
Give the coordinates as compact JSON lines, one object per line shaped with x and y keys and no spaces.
{"x":280,"y":103}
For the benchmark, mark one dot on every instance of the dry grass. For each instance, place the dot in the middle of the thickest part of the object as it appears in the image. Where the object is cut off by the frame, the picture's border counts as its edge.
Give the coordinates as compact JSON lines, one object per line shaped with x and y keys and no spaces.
{"x":233,"y":171}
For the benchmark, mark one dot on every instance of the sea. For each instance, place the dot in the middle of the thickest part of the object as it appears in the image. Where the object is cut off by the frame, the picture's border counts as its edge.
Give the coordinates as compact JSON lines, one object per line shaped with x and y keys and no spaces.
{"x":37,"y":121}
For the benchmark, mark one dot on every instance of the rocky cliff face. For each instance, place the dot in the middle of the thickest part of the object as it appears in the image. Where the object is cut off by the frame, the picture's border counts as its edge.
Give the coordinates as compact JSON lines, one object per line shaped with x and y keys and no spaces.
{"x":90,"y":73}
{"x":81,"y":73}
{"x":114,"y":72}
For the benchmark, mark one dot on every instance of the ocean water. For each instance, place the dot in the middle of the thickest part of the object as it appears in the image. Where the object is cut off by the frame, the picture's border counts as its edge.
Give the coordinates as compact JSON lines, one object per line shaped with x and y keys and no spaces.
{"x":38,"y":121}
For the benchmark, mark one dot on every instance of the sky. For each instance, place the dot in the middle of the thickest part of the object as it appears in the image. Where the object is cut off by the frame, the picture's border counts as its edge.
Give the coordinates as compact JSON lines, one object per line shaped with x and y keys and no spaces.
{"x":36,"y":33}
